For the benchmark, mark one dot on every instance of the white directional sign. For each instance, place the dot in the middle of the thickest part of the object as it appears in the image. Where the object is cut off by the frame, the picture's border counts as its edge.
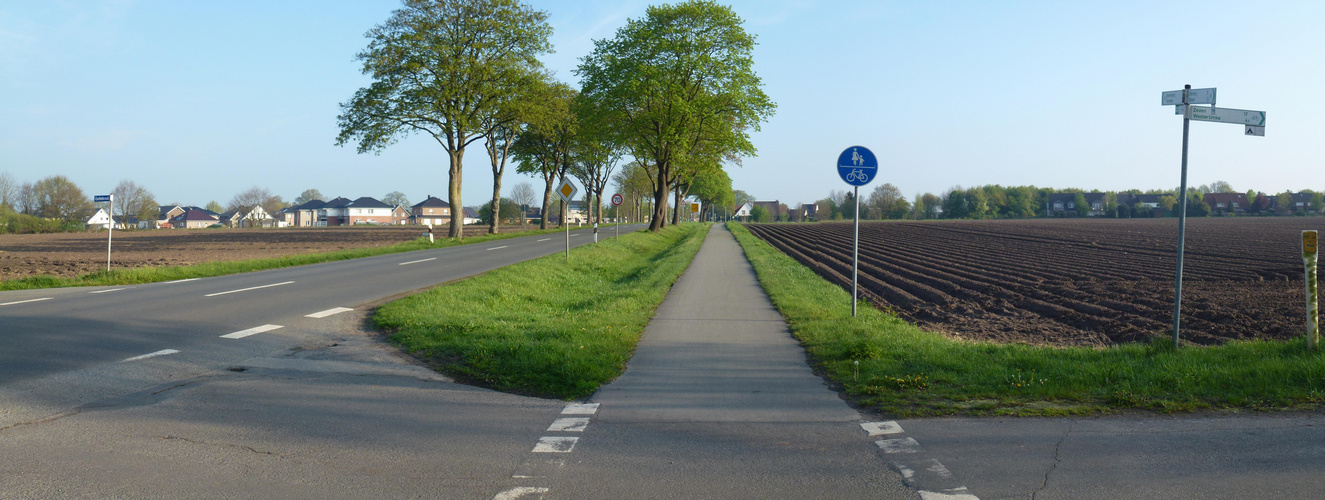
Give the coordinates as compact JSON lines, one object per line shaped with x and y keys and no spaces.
{"x":1194,"y":96}
{"x":1227,"y":115}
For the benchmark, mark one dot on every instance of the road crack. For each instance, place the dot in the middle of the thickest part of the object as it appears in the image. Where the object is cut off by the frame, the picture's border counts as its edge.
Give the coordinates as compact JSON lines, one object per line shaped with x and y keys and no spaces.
{"x":1057,"y":459}
{"x":228,"y":445}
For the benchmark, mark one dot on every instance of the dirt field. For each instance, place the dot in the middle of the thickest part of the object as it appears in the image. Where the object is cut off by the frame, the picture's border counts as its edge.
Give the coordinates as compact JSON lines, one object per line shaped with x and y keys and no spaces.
{"x":1070,"y":282}
{"x":72,"y":254}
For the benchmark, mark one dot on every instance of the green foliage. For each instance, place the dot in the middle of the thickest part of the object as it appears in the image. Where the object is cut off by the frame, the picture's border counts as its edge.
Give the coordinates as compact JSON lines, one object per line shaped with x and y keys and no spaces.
{"x":905,"y":371}
{"x":57,"y":197}
{"x":546,"y":327}
{"x":509,"y":211}
{"x":16,"y":223}
{"x":759,"y":214}
{"x":675,"y":88}
{"x":1080,"y":205}
{"x":215,"y":207}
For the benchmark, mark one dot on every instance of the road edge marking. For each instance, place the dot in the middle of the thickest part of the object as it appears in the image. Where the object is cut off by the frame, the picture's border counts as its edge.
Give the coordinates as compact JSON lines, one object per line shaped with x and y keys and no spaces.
{"x":251,"y":331}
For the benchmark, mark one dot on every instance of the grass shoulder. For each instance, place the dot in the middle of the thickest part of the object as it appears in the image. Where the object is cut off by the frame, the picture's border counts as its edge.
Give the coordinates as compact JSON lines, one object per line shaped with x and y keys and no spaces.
{"x":884,"y":363}
{"x":139,"y":275}
{"x":546,"y":327}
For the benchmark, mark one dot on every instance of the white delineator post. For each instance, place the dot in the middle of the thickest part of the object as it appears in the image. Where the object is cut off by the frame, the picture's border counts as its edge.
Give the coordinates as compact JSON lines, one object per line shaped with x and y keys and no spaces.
{"x":1309,"y":257}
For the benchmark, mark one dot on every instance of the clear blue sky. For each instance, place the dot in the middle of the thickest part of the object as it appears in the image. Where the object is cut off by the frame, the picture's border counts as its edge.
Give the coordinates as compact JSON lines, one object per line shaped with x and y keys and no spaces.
{"x":198,"y":101}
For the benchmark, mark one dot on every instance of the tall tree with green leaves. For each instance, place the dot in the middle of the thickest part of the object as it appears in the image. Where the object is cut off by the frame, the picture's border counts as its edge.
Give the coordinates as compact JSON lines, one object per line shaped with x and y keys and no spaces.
{"x":443,"y":68}
{"x":132,"y":200}
{"x":57,"y":197}
{"x":395,"y":198}
{"x":713,"y":188}
{"x":544,"y":148}
{"x":678,"y":83}
{"x":307,"y":196}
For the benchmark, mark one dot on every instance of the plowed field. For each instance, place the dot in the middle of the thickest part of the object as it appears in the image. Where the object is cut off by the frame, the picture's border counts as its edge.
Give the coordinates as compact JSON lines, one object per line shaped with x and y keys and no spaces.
{"x":1090,"y":282}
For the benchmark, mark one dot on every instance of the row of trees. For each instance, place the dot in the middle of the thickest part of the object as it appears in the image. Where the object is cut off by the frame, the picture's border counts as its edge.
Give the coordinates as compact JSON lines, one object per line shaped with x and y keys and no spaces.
{"x":675,"y":90}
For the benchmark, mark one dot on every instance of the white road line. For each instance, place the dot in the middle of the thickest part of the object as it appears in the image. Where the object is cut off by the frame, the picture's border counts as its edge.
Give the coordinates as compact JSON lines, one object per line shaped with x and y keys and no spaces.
{"x":580,"y":409}
{"x":555,"y":444}
{"x":247,"y":289}
{"x":569,"y":424}
{"x":104,"y":291}
{"x":903,"y":445}
{"x":952,"y":494}
{"x":544,"y":239}
{"x":251,"y":331}
{"x":519,"y":492}
{"x":498,"y":248}
{"x":415,"y":261}
{"x":328,"y":312}
{"x":25,"y":301}
{"x":180,"y":281}
{"x":574,"y":235}
{"x":162,"y":352}
{"x":881,"y":428}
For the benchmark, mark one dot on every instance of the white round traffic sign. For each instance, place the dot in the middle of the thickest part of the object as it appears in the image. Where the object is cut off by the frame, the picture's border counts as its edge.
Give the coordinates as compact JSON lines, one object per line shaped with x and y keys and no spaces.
{"x":617,"y":199}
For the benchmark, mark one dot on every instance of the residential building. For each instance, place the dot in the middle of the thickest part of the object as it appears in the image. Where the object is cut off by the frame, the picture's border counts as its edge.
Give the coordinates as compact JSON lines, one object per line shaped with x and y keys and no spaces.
{"x":774,"y":208}
{"x":195,"y":218}
{"x":1064,"y":204}
{"x":399,"y":215}
{"x":100,"y":220}
{"x":743,"y":210}
{"x":470,"y":216}
{"x":334,"y":213}
{"x":306,"y":214}
{"x":162,"y":220}
{"x":1226,"y":203}
{"x":431,"y":212}
{"x":367,"y":210}
{"x":1150,"y":201}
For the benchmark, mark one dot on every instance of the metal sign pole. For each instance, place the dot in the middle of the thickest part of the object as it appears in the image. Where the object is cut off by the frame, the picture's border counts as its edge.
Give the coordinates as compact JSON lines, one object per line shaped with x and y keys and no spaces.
{"x":1182,"y":217}
{"x":855,"y":252}
{"x":111,"y":233}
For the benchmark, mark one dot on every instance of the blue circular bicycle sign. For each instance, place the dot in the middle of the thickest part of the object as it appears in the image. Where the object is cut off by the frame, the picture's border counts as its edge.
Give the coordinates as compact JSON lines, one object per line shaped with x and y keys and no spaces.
{"x":857,"y":165}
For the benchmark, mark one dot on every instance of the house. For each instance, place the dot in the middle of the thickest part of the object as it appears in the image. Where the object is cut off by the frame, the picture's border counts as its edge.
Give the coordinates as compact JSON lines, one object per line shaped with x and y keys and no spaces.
{"x":431,"y":212}
{"x":1299,"y":201}
{"x":367,"y":210}
{"x":306,"y":213}
{"x":399,"y":215}
{"x":1150,"y":201}
{"x":195,"y":218}
{"x":1064,"y":204}
{"x":334,"y":213}
{"x":1226,"y":203}
{"x":241,"y":217}
{"x":806,"y":212}
{"x":743,"y":210}
{"x":470,"y":216}
{"x":100,"y":220}
{"x":162,"y":220}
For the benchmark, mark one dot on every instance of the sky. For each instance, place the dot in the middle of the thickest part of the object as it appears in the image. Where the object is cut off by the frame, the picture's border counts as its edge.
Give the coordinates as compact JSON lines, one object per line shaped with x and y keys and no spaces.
{"x":198,"y":101}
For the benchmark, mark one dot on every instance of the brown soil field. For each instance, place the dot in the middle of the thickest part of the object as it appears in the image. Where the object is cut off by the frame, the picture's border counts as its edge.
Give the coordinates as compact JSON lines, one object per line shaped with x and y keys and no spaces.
{"x":1092,"y":282}
{"x":71,"y":254}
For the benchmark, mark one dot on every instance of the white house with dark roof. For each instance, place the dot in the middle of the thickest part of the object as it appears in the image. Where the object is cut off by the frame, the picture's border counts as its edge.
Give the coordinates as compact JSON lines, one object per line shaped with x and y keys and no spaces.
{"x":368,"y":210}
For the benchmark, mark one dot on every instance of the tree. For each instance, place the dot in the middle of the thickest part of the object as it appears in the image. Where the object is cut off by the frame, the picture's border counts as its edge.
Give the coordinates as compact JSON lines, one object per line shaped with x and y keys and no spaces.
{"x":1220,"y":187}
{"x":214,"y":207}
{"x":307,"y":196}
{"x":593,"y":158}
{"x":132,"y":200}
{"x":887,"y":201}
{"x":635,"y":184}
{"x":519,"y":104}
{"x":544,"y":148}
{"x":27,"y":198}
{"x":247,"y":199}
{"x":57,"y":197}
{"x":1170,"y":203}
{"x":1196,"y":206}
{"x":713,"y":188}
{"x":759,"y":214}
{"x":1079,"y":204}
{"x":523,"y":194}
{"x":508,"y":206}
{"x":954,"y":204}
{"x":1317,"y":202}
{"x":443,"y":67}
{"x":1283,"y":203}
{"x":918,"y":209}
{"x":740,"y":198}
{"x":676,"y":86}
{"x":8,"y":190}
{"x":395,"y":198}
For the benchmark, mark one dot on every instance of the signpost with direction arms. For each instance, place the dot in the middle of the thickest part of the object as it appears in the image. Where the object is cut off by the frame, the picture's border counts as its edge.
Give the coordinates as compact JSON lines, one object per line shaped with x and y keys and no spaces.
{"x":1183,"y":102}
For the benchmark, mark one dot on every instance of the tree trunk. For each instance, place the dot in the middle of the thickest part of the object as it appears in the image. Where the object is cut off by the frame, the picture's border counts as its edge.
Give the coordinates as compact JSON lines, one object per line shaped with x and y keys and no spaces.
{"x":547,"y":204}
{"x":659,"y":219}
{"x":676,"y":210}
{"x":453,"y":190}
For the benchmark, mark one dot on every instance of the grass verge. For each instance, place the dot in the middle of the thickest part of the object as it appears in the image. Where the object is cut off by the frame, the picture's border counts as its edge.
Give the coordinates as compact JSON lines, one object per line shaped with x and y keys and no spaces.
{"x":139,"y":275}
{"x":905,"y":371}
{"x":546,"y":327}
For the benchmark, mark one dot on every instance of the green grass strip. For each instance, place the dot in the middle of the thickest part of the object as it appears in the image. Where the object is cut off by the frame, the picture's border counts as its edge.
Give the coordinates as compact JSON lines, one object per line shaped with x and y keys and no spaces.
{"x":905,"y":371}
{"x":133,"y":276}
{"x":546,"y":327}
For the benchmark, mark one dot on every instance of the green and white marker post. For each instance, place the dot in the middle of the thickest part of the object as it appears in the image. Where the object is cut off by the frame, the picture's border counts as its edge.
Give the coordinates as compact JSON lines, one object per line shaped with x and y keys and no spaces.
{"x":1309,"y":256}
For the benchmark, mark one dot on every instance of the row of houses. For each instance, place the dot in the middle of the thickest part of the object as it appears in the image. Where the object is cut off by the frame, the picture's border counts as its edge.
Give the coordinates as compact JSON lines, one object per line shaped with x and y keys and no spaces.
{"x":1064,"y":204}
{"x":313,"y":213}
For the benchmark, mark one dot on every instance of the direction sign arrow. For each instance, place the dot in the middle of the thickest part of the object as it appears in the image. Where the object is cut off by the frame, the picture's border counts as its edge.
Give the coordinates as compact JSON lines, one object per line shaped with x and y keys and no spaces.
{"x":1228,"y":115}
{"x":1194,"y":96}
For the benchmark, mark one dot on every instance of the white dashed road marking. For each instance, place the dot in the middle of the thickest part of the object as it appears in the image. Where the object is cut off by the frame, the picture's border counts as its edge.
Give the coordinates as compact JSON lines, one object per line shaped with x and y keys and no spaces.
{"x":952,"y":494}
{"x":519,"y":492}
{"x":247,"y":289}
{"x":180,"y":281}
{"x":328,"y":312}
{"x":498,"y":248}
{"x":251,"y":331}
{"x":24,"y":301}
{"x":572,"y":424}
{"x":881,"y":428}
{"x":580,"y":409}
{"x":416,"y":261}
{"x":555,"y":444}
{"x":544,"y":239}
{"x":162,"y":352}
{"x":105,"y":291}
{"x":901,"y":445}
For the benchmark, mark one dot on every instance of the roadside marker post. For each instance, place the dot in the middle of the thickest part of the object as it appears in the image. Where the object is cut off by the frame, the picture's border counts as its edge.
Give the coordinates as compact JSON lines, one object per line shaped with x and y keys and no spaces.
{"x":567,"y":192}
{"x":110,"y":212}
{"x":1310,"y":253}
{"x":1183,"y":102}
{"x":856,"y":166}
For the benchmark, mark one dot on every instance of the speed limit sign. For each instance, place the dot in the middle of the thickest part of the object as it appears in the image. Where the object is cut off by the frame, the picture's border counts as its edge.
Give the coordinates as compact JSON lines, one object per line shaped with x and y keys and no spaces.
{"x":617,"y":199}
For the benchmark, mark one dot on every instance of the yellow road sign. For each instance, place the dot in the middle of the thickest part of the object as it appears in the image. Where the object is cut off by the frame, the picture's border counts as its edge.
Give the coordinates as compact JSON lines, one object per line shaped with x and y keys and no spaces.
{"x":1308,"y":243}
{"x":567,"y":190}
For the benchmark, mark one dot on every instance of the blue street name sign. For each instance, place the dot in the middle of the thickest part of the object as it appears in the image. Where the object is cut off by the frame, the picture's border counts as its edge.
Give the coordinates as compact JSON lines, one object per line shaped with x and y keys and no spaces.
{"x":857,"y":166}
{"x":100,"y":198}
